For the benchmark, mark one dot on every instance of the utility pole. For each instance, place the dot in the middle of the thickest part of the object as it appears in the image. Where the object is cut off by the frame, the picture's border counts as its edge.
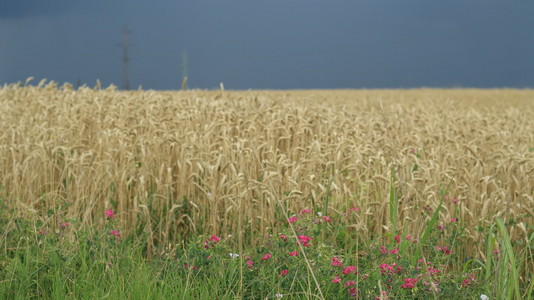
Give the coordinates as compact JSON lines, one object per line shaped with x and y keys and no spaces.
{"x":125,"y":58}
{"x":184,"y":69}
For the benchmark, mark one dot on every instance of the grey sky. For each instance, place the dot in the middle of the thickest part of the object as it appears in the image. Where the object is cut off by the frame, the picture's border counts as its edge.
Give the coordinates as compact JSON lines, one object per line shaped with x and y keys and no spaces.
{"x":274,"y":44}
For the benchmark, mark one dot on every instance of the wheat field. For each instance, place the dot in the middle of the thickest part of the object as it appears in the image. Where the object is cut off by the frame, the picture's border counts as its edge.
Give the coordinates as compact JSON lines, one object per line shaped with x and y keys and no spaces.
{"x":178,"y":163}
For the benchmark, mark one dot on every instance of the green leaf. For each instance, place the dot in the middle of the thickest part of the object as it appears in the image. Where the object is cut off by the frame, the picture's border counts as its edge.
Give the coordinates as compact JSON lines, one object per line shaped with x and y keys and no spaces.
{"x":509,"y":251}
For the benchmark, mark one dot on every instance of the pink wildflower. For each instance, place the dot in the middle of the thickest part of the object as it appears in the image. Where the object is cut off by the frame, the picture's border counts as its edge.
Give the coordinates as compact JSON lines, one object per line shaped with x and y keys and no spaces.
{"x":385,"y":268}
{"x":327,"y":219}
{"x":283,"y":273}
{"x":115,"y":233}
{"x":432,"y":271}
{"x":266,"y":256}
{"x":283,"y":237}
{"x":444,"y":249}
{"x":42,"y":231}
{"x":349,"y":269}
{"x":303,"y":239}
{"x":354,"y":209}
{"x":110,"y":214}
{"x":336,"y":262}
{"x":65,"y":225}
{"x":440,"y":227}
{"x":455,"y":200}
{"x":383,"y":250}
{"x":292,"y":220}
{"x":466,"y":282}
{"x":398,"y":269}
{"x":409,"y":283}
{"x":250,"y":264}
{"x":305,"y":211}
{"x":349,"y":283}
{"x":353,"y":292}
{"x":395,"y":251}
{"x":336,"y":280}
{"x":211,"y":241}
{"x":409,"y":237}
{"x":453,"y":220}
{"x":295,"y":253}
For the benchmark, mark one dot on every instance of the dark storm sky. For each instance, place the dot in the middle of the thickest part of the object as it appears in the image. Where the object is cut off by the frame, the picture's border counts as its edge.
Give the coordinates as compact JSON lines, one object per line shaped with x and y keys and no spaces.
{"x":271,"y":44}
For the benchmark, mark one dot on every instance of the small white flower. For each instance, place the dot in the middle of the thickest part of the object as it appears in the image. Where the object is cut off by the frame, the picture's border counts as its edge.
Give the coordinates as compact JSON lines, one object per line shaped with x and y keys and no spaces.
{"x":234,"y":255}
{"x":320,"y":214}
{"x":484,"y":297}
{"x":279,"y":295}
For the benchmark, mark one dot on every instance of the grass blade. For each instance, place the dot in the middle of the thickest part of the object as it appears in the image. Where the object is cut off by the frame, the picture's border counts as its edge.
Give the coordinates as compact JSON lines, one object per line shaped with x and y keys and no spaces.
{"x":509,"y":252}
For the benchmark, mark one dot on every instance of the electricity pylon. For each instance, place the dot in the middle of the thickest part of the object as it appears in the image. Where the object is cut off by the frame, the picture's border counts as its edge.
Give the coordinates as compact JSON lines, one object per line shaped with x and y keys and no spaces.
{"x":125,"y":58}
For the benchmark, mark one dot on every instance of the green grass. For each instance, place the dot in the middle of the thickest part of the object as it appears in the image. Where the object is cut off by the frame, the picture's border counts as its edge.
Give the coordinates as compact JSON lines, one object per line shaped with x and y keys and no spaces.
{"x":72,"y":263}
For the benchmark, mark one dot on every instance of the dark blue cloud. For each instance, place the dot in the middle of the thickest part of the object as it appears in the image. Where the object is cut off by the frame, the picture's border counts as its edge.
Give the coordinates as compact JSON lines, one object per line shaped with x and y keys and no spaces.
{"x":32,"y":8}
{"x":273,"y":44}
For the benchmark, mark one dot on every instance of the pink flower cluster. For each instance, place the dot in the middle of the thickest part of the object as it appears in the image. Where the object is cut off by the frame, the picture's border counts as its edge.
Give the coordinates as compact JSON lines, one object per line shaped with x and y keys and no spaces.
{"x":409,"y":283}
{"x":350,"y":269}
{"x":385,"y":251}
{"x":386,"y":269}
{"x":292,"y":220}
{"x":354,"y":209}
{"x":444,"y":249}
{"x":115,"y":233}
{"x":336,"y":262}
{"x":211,"y":241}
{"x":432,"y":271}
{"x":304,"y":240}
{"x":468,"y":281}
{"x":110,"y":214}
{"x":346,"y":271}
